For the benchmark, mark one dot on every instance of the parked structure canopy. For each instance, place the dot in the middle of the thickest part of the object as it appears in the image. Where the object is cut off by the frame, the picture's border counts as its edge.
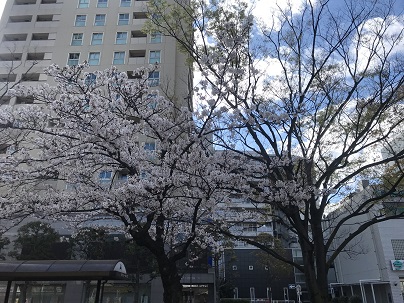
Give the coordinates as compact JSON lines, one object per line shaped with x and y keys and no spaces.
{"x":62,"y":270}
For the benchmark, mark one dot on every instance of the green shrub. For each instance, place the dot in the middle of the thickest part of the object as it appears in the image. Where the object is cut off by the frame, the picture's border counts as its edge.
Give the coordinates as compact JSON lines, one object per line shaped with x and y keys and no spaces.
{"x":344,"y":299}
{"x":355,"y":299}
{"x":234,"y":301}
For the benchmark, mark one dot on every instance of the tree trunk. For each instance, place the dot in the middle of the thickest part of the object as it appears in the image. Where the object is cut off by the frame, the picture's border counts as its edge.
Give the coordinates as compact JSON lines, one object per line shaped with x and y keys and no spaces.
{"x":315,"y":271}
{"x":316,"y":279}
{"x":171,"y":281}
{"x":137,"y":280}
{"x":321,"y":260}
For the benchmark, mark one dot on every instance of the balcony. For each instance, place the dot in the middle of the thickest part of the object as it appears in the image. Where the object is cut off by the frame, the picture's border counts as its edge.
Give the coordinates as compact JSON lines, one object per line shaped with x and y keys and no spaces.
{"x":24,"y":2}
{"x":19,"y":19}
{"x":138,"y":37}
{"x":47,"y":20}
{"x":139,"y":18}
{"x":8,"y":77}
{"x":10,"y":60}
{"x":12,"y":42}
{"x":137,"y":57}
{"x":33,"y":77}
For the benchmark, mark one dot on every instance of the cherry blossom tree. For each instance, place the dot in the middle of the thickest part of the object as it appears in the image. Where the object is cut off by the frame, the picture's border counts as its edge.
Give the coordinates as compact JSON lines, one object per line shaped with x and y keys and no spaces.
{"x":99,"y":148}
{"x":10,"y":67}
{"x":311,"y":97}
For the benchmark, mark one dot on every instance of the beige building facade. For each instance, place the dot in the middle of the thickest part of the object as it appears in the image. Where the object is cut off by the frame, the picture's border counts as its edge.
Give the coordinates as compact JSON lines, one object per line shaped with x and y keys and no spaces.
{"x":105,"y":33}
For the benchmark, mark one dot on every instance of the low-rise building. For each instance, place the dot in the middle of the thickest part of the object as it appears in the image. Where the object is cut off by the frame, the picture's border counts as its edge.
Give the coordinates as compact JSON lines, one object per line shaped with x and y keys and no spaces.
{"x":372,"y":267}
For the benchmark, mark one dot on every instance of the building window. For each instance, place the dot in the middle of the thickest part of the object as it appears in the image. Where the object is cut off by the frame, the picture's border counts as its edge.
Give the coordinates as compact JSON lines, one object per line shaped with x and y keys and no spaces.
{"x":126,"y":3}
{"x":105,"y":176}
{"x":97,"y":38}
{"x":122,"y":176}
{"x":154,"y":78}
{"x":90,"y":79}
{"x":150,"y":146}
{"x":80,"y":20}
{"x":250,"y":227}
{"x":152,"y":101}
{"x":250,"y":267}
{"x":94,"y":58}
{"x":155,"y":16}
{"x":155,"y":38}
{"x":398,"y":248}
{"x":77,"y":39}
{"x":123,"y":19}
{"x":102,"y":3}
{"x":84,"y":3}
{"x":234,"y":267}
{"x":154,"y":57}
{"x":121,"y":37}
{"x":99,"y":20}
{"x":73,"y":59}
{"x":119,"y":58}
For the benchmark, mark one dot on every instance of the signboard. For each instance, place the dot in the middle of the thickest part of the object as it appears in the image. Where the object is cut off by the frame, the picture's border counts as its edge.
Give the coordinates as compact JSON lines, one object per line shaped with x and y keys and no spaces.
{"x":397,"y":264}
{"x":292,"y":286}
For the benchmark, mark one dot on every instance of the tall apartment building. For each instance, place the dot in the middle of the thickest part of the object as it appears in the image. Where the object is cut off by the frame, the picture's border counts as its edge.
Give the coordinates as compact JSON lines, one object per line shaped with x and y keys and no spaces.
{"x":36,"y":33}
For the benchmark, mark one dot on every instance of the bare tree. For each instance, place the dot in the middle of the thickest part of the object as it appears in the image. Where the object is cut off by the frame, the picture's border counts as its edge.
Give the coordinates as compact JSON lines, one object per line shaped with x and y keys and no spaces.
{"x":312,"y":97}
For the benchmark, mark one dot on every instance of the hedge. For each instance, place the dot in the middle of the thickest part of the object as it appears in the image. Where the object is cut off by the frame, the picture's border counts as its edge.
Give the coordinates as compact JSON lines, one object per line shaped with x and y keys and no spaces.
{"x":234,"y":301}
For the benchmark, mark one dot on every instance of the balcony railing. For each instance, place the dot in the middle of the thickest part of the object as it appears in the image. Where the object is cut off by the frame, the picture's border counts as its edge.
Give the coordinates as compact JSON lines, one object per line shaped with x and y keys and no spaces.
{"x":140,"y":40}
{"x":137,"y":60}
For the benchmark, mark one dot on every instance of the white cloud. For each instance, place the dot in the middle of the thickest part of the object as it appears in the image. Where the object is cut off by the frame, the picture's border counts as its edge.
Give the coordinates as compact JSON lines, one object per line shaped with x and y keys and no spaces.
{"x":377,"y":36}
{"x":267,"y":11}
